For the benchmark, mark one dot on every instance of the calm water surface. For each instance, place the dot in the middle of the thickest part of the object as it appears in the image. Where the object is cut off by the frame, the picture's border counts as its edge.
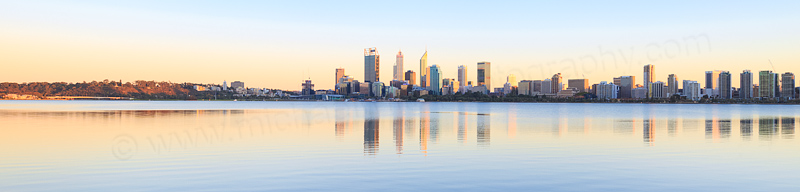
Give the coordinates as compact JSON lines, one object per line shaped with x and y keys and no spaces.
{"x":337,"y":146}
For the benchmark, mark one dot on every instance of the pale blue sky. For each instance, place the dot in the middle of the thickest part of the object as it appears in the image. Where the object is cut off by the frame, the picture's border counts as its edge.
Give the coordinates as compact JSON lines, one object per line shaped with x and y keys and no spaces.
{"x":276,"y":43}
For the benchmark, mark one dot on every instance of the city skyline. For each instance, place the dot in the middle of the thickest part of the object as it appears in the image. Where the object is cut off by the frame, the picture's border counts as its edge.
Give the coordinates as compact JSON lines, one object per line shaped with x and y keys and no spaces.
{"x":214,"y":41}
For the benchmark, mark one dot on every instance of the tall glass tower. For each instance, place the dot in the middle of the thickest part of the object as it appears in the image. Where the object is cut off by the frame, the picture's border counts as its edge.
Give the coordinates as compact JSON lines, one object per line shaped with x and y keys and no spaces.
{"x":372,"y":65}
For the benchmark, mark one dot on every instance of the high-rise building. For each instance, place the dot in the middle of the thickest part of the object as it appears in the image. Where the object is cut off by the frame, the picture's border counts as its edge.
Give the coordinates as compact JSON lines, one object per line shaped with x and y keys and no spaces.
{"x":712,"y":83}
{"x":224,"y":85}
{"x":376,"y":89}
{"x":746,"y":85}
{"x":556,"y":83}
{"x":657,"y":89}
{"x":485,"y":74}
{"x":512,"y":80}
{"x":725,"y":85}
{"x":372,"y":65}
{"x":767,"y":81}
{"x":607,"y":90}
{"x":435,"y":80}
{"x":582,"y":85}
{"x":672,"y":85}
{"x":525,"y":87}
{"x":339,"y":74}
{"x":547,"y":87}
{"x":398,"y":66}
{"x":536,"y":87}
{"x":462,"y":75}
{"x":411,"y":77}
{"x":787,"y":85}
{"x":691,"y":90}
{"x":649,"y":77}
{"x":423,"y":70}
{"x":626,"y":85}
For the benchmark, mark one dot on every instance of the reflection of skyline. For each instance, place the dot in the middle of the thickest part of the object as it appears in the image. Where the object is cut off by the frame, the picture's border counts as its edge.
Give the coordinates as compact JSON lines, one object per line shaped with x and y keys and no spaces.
{"x":371,"y":130}
{"x":399,"y":127}
{"x":484,"y":129}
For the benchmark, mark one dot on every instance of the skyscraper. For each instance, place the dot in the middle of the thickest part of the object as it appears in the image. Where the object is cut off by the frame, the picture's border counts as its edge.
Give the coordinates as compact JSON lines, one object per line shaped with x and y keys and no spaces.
{"x":224,"y":85}
{"x":787,"y":85}
{"x":649,"y":76}
{"x":485,"y":74}
{"x":398,"y":66}
{"x":339,"y":74}
{"x":746,"y":85}
{"x":462,"y":75}
{"x":712,"y":82}
{"x":767,"y":80}
{"x":435,"y":74}
{"x":423,"y":70}
{"x":372,"y":65}
{"x":672,"y":85}
{"x":556,"y":81}
{"x":547,"y":86}
{"x":411,"y":77}
{"x":725,"y":86}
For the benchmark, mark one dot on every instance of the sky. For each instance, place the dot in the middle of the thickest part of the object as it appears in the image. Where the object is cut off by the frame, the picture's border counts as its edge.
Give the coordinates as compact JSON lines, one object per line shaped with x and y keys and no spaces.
{"x":277,"y":44}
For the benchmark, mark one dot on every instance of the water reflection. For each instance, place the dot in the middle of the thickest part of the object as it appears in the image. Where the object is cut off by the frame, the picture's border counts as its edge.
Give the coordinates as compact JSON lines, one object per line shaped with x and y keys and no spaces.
{"x":371,"y":130}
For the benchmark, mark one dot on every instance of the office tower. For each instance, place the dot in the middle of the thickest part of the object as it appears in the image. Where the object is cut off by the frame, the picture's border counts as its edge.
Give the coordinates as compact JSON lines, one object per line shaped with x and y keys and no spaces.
{"x":423,"y":70}
{"x":512,"y":80}
{"x":649,"y":77}
{"x":607,"y":90}
{"x":547,"y":86}
{"x":308,"y":88}
{"x":339,"y":74}
{"x":435,"y":80}
{"x":556,"y":83}
{"x":712,"y":83}
{"x":626,"y":85}
{"x":224,"y":85}
{"x":672,"y":85}
{"x":767,"y":80}
{"x":398,"y":66}
{"x":462,"y":75}
{"x":691,"y":89}
{"x":725,"y":86}
{"x":411,"y":77}
{"x":372,"y":65}
{"x":376,"y":89}
{"x":746,"y":85}
{"x":787,"y":85}
{"x":485,"y":74}
{"x":617,"y":81}
{"x":237,"y":84}
{"x":525,"y":87}
{"x":582,"y":85}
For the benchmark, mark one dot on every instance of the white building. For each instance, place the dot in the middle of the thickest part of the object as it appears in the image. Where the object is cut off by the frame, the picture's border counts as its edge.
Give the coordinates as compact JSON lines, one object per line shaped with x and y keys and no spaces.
{"x":691,"y":90}
{"x":607,"y":90}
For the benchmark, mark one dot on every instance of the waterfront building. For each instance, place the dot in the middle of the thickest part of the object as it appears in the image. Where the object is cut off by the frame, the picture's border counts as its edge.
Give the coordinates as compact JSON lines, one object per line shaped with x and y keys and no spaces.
{"x":657,"y":89}
{"x":672,"y":85}
{"x":308,"y":88}
{"x":376,"y":89}
{"x":435,"y":80}
{"x":371,"y":65}
{"x":547,"y":87}
{"x":536,"y":87}
{"x":607,"y":90}
{"x":525,"y":87}
{"x":512,"y":80}
{"x":725,"y":86}
{"x":582,"y":85}
{"x":626,"y":86}
{"x":691,"y":90}
{"x":712,"y":83}
{"x":485,"y":74}
{"x":639,"y":93}
{"x":746,"y":85}
{"x":768,"y":81}
{"x":787,"y":85}
{"x":224,"y":85}
{"x":649,"y":77}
